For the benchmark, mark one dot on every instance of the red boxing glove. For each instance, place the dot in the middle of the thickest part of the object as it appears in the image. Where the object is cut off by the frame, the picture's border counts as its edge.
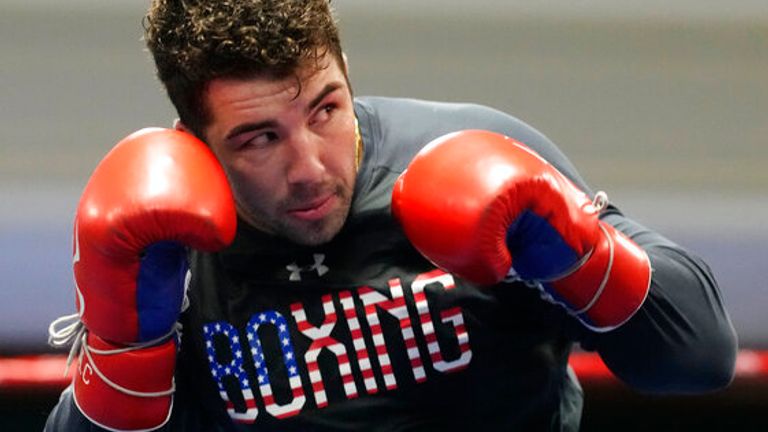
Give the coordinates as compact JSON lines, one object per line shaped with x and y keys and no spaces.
{"x":123,"y":389}
{"x":156,"y":185}
{"x":156,"y":193}
{"x":480,"y":204}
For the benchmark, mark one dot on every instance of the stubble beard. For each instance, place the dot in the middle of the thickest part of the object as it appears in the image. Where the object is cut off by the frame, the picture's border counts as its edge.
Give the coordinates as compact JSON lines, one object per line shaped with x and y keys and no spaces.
{"x":321,"y":231}
{"x":312,"y":233}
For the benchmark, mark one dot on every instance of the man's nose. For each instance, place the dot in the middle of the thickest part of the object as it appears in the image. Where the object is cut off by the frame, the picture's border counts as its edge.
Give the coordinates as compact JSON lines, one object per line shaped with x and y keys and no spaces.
{"x":305,"y":165}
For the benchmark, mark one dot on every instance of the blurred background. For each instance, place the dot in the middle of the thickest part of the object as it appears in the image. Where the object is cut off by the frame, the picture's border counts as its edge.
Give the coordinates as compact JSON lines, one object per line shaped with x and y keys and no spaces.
{"x":664,"y":105}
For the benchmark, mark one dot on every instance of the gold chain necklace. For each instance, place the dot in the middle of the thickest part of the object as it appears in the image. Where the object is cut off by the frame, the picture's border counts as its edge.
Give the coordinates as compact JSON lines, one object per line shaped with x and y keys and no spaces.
{"x":358,"y":146}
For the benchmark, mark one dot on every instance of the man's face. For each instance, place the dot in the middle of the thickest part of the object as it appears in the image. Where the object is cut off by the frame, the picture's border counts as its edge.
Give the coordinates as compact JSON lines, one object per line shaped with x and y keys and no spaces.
{"x":290,"y":159}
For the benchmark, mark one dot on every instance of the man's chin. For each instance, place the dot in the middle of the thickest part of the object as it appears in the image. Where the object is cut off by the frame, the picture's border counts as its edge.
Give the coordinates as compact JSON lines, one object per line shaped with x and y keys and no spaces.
{"x":310,"y":236}
{"x":315,"y":233}
{"x":299,"y":230}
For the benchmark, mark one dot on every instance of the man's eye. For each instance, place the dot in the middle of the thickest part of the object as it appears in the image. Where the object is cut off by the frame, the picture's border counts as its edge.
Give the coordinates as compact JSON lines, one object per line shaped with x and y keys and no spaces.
{"x":261,"y":140}
{"x":324,"y":113}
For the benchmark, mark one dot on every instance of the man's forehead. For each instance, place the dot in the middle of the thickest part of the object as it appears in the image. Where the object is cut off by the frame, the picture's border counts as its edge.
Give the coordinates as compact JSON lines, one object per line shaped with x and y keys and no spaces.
{"x":273,"y":83}
{"x":226,"y":96}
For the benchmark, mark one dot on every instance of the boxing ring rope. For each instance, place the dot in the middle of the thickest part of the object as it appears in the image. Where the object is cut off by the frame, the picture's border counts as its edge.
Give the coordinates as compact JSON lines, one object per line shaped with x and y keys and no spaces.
{"x":46,"y":372}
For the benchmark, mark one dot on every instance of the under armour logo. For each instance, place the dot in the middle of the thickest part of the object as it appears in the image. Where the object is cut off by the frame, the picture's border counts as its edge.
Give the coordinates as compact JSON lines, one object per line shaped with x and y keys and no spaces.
{"x":296,"y":270}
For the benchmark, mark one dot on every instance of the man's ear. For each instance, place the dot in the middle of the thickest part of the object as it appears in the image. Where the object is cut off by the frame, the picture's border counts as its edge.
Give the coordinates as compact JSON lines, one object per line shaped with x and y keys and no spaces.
{"x":346,"y":63}
{"x":179,"y":126}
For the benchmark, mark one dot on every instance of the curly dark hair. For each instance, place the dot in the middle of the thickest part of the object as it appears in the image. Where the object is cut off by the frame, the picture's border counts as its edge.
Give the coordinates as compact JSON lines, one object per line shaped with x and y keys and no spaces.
{"x":194,"y":41}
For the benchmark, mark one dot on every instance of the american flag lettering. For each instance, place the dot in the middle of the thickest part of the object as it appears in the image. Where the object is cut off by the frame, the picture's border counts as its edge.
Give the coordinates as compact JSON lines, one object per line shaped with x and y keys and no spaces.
{"x":353,"y":360}
{"x":278,"y":322}
{"x":233,"y":368}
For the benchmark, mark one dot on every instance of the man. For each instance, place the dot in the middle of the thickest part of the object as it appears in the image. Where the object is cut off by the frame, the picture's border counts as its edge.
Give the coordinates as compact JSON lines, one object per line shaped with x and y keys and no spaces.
{"x":374,"y":282}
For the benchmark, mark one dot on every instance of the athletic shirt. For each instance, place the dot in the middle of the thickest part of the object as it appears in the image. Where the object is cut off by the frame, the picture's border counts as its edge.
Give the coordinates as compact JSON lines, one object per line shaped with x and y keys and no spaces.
{"x":364,"y":334}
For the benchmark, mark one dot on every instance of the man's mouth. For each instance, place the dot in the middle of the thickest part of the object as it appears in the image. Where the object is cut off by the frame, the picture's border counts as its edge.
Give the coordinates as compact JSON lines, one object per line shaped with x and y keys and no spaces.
{"x":315,"y":209}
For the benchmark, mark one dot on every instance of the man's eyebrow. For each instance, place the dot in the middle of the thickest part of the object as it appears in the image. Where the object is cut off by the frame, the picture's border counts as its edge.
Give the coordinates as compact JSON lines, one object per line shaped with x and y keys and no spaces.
{"x":329,"y":88}
{"x":247,"y":127}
